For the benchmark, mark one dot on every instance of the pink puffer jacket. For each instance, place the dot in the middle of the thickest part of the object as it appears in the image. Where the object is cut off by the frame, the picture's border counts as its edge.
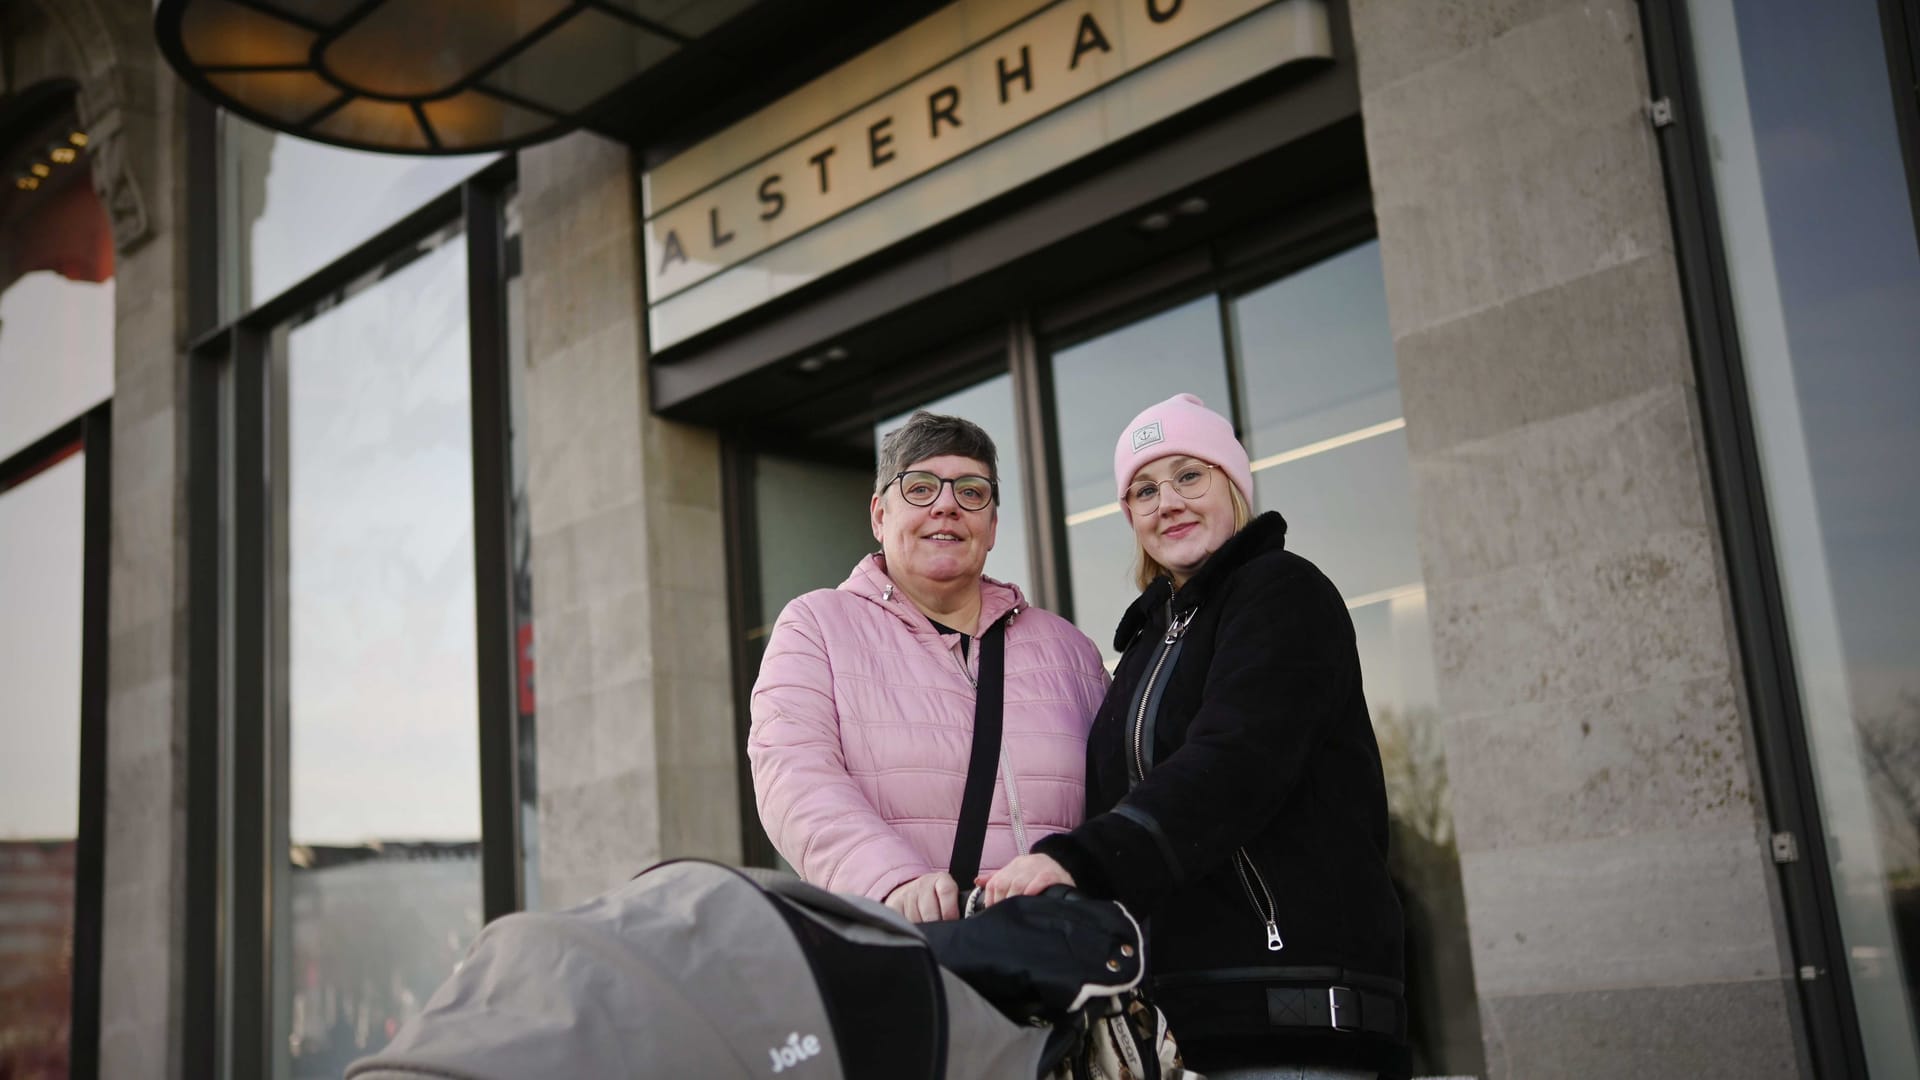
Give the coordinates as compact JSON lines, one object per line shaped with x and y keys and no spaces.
{"x":863,"y":725}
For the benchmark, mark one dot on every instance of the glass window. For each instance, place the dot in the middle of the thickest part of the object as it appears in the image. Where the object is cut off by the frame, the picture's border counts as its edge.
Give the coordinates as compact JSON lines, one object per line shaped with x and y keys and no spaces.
{"x":1098,"y":386}
{"x":291,"y":206}
{"x":1825,"y":274}
{"x":41,"y":524}
{"x":1324,"y":423}
{"x":990,"y":405}
{"x":383,"y":888}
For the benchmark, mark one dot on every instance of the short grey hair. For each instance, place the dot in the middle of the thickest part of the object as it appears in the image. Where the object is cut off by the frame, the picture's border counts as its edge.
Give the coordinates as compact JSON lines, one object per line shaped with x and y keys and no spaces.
{"x":928,"y":435}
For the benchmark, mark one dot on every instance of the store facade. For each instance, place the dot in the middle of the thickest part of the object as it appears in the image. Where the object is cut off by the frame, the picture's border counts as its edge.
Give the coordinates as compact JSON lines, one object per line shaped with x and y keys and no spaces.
{"x":452,"y":497}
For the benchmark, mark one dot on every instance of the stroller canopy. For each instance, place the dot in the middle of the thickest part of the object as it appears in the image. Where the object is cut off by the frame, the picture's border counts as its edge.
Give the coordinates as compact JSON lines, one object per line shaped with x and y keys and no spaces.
{"x":698,"y":969}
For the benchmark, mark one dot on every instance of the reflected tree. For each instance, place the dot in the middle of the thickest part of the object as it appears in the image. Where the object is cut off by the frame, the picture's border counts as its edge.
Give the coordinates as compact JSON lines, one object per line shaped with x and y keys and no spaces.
{"x":1443,"y":1007}
{"x":1890,"y":756}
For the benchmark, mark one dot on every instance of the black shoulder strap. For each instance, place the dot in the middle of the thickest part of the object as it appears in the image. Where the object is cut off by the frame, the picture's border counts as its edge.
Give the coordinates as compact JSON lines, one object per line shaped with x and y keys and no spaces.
{"x":970,"y":834}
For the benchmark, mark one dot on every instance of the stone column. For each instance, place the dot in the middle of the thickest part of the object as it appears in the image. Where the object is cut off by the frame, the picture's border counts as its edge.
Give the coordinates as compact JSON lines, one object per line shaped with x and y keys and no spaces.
{"x":1622,"y":906}
{"x":134,"y":107}
{"x":635,"y":731}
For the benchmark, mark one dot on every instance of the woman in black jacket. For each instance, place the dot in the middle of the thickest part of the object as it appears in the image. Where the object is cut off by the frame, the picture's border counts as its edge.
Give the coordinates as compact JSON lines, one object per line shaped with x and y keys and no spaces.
{"x":1234,"y":793}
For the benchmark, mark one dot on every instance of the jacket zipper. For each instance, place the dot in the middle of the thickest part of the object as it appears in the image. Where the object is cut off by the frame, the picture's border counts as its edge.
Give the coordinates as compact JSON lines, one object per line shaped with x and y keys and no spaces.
{"x":1269,"y":914}
{"x":1242,"y":862}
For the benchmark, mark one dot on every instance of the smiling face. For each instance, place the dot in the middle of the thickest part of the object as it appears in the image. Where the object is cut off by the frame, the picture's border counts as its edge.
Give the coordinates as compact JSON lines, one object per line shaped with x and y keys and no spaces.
{"x":1181,"y":533}
{"x":931,"y":548}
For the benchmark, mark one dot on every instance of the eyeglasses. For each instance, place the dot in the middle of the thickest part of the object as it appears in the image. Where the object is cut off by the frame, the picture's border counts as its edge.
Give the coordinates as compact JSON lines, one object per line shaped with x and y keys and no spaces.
{"x":921,"y":488}
{"x":1191,"y":482}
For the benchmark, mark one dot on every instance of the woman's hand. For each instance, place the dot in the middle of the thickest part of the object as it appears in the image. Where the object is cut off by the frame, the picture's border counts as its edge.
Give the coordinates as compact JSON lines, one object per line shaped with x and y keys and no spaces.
{"x":927,"y":898}
{"x":1028,"y":875}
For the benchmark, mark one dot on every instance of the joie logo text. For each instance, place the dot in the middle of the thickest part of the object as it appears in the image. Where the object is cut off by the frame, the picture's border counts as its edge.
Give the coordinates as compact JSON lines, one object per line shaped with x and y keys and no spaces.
{"x":796,"y":1050}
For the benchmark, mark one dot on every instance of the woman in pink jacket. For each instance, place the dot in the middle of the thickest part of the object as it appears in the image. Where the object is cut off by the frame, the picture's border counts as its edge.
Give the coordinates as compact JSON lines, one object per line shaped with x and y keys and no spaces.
{"x":863,"y":712}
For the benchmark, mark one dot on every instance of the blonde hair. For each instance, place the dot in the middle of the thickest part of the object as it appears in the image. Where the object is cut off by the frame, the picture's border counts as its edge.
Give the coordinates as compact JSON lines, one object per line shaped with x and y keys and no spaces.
{"x":1145,"y":569}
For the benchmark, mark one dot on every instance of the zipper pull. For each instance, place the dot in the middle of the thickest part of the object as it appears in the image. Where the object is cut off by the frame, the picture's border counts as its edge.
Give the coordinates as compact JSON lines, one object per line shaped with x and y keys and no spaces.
{"x":1178,"y":626}
{"x":1273,"y":937}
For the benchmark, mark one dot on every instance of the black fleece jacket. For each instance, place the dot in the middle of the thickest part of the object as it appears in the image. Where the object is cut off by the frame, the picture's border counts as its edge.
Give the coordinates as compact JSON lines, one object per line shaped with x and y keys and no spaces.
{"x":1262,"y":745}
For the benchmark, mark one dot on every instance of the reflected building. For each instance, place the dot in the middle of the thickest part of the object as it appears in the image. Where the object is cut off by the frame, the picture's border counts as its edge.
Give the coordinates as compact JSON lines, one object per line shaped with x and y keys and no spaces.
{"x":376,"y":929}
{"x":393,"y":510}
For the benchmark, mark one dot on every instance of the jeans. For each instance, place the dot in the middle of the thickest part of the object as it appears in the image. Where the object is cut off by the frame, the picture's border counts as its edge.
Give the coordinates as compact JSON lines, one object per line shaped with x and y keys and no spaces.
{"x":1289,"y":1073}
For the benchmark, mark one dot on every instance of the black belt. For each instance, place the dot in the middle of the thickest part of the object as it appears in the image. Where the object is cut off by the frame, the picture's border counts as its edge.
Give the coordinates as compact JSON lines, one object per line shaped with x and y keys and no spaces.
{"x":1340,"y":1008}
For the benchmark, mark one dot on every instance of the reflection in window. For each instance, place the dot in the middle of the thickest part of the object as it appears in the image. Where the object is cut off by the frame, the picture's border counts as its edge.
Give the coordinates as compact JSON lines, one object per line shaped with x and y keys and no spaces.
{"x":990,"y":405}
{"x":383,"y":891}
{"x":1098,"y":386}
{"x":1825,"y":276}
{"x":40,"y":577}
{"x":56,"y":282}
{"x":290,"y":206}
{"x":525,"y":698}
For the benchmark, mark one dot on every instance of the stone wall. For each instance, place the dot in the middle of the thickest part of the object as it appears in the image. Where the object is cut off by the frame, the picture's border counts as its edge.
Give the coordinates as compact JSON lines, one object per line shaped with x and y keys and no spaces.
{"x":1621,"y":901}
{"x":635,"y":733}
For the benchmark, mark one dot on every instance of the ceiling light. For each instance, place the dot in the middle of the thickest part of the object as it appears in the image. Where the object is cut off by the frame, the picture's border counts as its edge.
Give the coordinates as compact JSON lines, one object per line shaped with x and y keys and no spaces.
{"x":26,"y":183}
{"x":39,"y":168}
{"x":1156,"y":221}
{"x":422,"y":76}
{"x":78,"y":138}
{"x":63,"y":155}
{"x":1191,"y":206}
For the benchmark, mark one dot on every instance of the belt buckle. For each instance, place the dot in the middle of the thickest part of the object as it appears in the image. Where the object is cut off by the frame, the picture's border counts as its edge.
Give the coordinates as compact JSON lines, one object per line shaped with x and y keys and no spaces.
{"x":1343,"y":1008}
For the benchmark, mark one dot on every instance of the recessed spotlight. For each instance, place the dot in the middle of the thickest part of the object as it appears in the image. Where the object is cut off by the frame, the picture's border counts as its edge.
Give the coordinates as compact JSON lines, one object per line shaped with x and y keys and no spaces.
{"x":1156,"y":221}
{"x":1191,"y":206}
{"x":39,"y":168}
{"x":63,"y":155}
{"x":26,"y":183}
{"x":78,"y":138}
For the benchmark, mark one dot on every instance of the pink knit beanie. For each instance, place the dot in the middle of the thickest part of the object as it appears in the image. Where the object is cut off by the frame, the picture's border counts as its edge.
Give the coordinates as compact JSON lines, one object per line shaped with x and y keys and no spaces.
{"x":1181,"y":425}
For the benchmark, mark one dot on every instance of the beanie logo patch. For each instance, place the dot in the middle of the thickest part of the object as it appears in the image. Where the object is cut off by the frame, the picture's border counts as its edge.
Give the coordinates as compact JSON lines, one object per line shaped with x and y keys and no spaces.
{"x":1144,"y":437}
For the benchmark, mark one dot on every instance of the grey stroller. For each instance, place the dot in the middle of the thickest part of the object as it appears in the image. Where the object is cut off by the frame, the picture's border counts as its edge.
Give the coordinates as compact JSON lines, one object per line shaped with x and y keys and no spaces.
{"x":694,"y":969}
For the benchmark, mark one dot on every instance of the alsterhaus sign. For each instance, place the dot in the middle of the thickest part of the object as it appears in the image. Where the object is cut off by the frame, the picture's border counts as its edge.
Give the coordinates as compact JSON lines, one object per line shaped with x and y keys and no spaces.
{"x":965,"y":77}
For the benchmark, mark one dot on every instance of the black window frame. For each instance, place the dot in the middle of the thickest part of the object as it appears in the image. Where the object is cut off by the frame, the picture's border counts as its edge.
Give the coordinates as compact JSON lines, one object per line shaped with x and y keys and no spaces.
{"x":1827,"y":1012}
{"x":235,"y":752}
{"x":1900,"y":29}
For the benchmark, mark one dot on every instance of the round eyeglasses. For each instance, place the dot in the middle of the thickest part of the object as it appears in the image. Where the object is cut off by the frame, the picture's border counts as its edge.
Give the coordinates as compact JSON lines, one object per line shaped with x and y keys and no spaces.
{"x":922,"y":488}
{"x":1190,"y":481}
